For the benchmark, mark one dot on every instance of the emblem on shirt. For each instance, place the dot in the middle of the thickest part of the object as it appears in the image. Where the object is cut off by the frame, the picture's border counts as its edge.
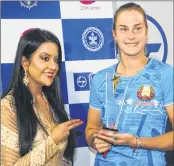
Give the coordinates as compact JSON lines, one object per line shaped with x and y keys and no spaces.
{"x":92,"y":39}
{"x":28,"y":4}
{"x":145,"y":92}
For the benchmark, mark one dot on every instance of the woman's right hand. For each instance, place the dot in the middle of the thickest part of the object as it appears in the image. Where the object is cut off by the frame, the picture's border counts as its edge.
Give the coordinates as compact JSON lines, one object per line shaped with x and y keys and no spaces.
{"x":101,"y":145}
{"x":62,"y":131}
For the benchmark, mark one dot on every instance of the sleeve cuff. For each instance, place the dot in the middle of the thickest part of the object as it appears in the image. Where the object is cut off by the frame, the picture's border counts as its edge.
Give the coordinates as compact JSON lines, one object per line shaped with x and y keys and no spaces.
{"x":53,"y":147}
{"x":99,"y":109}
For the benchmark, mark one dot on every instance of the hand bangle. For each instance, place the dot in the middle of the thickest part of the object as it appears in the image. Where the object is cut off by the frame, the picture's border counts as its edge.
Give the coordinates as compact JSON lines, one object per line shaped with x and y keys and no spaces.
{"x":138,"y":143}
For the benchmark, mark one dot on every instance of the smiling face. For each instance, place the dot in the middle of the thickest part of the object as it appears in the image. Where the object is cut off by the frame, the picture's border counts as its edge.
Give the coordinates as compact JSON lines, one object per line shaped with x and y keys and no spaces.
{"x":130,"y":32}
{"x":43,"y":65}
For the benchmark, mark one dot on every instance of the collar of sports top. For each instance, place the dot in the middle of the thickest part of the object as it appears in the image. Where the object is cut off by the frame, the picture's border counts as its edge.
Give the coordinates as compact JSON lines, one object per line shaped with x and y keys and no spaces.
{"x":119,"y":74}
{"x":116,"y":77}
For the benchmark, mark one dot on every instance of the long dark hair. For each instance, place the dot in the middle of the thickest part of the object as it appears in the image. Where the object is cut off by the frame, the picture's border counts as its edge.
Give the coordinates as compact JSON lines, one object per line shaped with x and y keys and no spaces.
{"x":26,"y":118}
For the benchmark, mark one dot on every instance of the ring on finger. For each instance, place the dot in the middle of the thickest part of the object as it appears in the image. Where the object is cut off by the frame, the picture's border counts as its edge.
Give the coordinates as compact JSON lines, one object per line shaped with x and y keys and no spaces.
{"x":114,"y":137}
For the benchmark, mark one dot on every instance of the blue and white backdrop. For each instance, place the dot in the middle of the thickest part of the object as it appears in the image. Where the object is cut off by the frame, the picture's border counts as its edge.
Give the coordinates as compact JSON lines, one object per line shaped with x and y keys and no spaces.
{"x":85,"y":32}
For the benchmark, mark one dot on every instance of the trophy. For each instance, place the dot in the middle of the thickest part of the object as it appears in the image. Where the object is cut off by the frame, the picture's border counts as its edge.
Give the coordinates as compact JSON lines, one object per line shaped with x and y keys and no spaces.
{"x":110,"y":112}
{"x":110,"y":102}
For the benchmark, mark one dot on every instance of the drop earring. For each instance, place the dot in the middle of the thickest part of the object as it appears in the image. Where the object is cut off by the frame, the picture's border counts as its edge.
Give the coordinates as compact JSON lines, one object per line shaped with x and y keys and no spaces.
{"x":26,"y":78}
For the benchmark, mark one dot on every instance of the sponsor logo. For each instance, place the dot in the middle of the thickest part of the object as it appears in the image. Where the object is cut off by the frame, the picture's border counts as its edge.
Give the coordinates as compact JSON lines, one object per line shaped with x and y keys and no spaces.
{"x":154,"y":103}
{"x":28,"y":4}
{"x":153,"y":107}
{"x":87,"y":2}
{"x":92,"y":39}
{"x":87,"y":6}
{"x":146,"y":104}
{"x":145,"y":92}
{"x":82,"y":81}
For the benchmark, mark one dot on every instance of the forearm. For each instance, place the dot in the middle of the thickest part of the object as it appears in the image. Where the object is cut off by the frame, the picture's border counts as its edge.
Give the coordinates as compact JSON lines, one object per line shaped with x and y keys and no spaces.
{"x":94,"y":125}
{"x":162,"y":142}
{"x":90,"y":137}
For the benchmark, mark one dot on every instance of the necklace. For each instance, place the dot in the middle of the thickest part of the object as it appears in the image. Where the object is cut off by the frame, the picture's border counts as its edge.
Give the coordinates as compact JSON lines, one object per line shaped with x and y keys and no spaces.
{"x":46,"y":112}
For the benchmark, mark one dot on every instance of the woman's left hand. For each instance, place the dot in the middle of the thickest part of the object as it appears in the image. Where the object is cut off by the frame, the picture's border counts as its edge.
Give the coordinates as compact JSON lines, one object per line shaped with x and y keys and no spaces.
{"x":117,"y":138}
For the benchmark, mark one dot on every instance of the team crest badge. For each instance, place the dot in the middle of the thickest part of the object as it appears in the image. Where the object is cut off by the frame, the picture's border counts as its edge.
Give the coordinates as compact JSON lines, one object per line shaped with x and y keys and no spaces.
{"x":145,"y":92}
{"x":28,"y":4}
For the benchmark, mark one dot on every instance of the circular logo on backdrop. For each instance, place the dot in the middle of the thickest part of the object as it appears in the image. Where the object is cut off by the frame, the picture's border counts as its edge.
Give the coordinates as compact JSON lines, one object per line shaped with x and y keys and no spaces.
{"x":92,"y":39}
{"x":87,"y":2}
{"x":28,"y":4}
{"x":157,"y":40}
{"x":81,"y":81}
{"x":145,"y":92}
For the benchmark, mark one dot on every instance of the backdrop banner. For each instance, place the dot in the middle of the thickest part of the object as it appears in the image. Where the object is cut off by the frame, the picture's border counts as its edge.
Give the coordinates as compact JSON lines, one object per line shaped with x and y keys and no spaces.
{"x":84,"y":29}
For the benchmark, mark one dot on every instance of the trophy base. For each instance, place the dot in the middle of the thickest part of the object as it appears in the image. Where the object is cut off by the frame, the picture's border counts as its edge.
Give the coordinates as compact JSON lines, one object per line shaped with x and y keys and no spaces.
{"x":115,"y":130}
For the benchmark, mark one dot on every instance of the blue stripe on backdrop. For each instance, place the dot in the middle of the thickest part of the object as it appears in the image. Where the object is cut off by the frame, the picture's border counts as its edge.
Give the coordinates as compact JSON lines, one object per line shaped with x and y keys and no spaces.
{"x":6,"y":71}
{"x":43,"y":10}
{"x":80,"y":111}
{"x":7,"y":68}
{"x":94,"y":32}
{"x":0,"y":81}
{"x":63,"y":83}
